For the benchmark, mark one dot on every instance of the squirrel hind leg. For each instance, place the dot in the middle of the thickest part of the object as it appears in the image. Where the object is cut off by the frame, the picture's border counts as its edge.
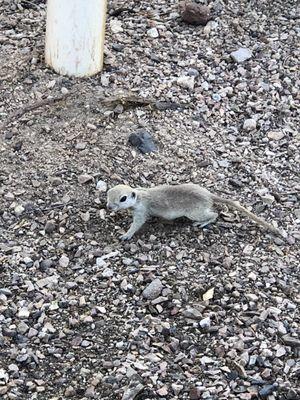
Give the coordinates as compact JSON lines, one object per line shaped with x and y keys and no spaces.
{"x":203,"y":218}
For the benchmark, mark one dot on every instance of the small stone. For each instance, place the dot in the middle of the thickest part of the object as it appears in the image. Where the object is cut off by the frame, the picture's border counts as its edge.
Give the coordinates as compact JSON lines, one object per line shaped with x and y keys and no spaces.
{"x":268,"y":390}
{"x":251,"y":297}
{"x":108,"y":273}
{"x":64,"y":261}
{"x":104,"y":79}
{"x":100,"y":262}
{"x":153,"y":33}
{"x":85,"y":343}
{"x":239,"y":368}
{"x":56,"y":181}
{"x":193,"y":72}
{"x":90,"y":392}
{"x":85,"y":216}
{"x":266,"y":373}
{"x":101,"y":186}
{"x":70,"y":391}
{"x":162,"y":391}
{"x":116,"y":26}
{"x":241,"y":55}
{"x":32,"y":333}
{"x":153,"y":290}
{"x":186,"y":82}
{"x":275,"y":135}
{"x":132,"y":391}
{"x":91,"y":126}
{"x":193,"y":13}
{"x":80,"y":145}
{"x":280,"y":351}
{"x":23,"y":312}
{"x":205,"y":323}
{"x":35,"y":183}
{"x":8,"y":135}
{"x":64,"y":90}
{"x":143,"y":141}
{"x":252,"y":276}
{"x":45,"y":264}
{"x":192,"y":313}
{"x":195,"y":393}
{"x":117,"y":47}
{"x":84,"y":178}
{"x":291,"y":341}
{"x":9,"y":196}
{"x":249,"y":125}
{"x":268,"y":199}
{"x":50,"y":226}
{"x":19,"y":209}
{"x":5,"y":291}
{"x":22,"y":328}
{"x":176,"y":388}
{"x":216,"y":97}
{"x":4,"y":389}
{"x":4,"y":375}
{"x":49,"y":281}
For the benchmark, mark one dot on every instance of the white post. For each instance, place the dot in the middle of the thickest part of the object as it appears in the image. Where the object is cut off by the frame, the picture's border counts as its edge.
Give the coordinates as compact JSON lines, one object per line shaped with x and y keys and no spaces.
{"x":75,"y":36}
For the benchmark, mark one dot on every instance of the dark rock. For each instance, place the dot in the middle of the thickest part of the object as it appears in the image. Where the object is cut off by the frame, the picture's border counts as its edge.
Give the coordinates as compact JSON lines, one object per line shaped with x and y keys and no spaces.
{"x":268,"y":390}
{"x":8,"y":135}
{"x":45,"y":264}
{"x":235,"y":182}
{"x":143,"y":141}
{"x":50,"y":226}
{"x":291,"y":341}
{"x":5,"y":291}
{"x":194,"y":13}
{"x":18,"y":146}
{"x":195,"y":393}
{"x":117,"y":47}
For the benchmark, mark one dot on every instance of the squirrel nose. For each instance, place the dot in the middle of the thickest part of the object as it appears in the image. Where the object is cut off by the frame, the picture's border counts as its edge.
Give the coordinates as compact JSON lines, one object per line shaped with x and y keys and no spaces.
{"x":109,"y":206}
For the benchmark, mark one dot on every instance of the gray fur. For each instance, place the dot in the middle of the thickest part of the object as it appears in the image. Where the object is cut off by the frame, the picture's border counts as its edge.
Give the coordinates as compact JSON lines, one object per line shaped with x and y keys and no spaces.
{"x":170,"y":202}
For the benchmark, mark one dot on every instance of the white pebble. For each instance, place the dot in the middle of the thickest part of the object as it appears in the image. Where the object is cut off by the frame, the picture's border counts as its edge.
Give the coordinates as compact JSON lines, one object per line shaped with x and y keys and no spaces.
{"x":241,"y":55}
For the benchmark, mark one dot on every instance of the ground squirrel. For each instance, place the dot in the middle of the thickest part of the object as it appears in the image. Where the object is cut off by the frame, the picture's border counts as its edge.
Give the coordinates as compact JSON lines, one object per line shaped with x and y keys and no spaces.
{"x":173,"y":201}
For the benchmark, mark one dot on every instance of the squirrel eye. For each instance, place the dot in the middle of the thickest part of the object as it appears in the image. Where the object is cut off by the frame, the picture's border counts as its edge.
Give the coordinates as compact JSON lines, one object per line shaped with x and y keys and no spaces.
{"x":123,"y":199}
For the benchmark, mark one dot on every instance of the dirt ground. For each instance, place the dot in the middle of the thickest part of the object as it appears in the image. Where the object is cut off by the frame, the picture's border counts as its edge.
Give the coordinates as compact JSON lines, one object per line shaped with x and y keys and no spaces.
{"x":223,"y":322}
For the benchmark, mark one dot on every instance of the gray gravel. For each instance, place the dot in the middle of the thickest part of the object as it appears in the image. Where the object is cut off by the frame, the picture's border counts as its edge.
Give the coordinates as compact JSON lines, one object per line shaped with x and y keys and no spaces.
{"x":179,"y":312}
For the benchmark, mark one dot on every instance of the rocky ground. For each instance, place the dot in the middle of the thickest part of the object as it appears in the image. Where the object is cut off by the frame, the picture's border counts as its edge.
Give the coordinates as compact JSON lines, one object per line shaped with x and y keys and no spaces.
{"x":179,"y":312}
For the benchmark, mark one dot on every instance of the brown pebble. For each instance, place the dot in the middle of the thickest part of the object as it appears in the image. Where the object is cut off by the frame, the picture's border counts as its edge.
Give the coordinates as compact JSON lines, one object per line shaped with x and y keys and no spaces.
{"x":194,"y":13}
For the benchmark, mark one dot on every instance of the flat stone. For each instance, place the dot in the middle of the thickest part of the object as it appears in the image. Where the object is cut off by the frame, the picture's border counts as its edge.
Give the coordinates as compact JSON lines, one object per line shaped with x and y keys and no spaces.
{"x":48,"y":281}
{"x":241,"y":55}
{"x":192,"y":313}
{"x":186,"y":82}
{"x":275,"y":135}
{"x":84,"y":178}
{"x":291,"y":341}
{"x":23,"y":312}
{"x":153,"y":290}
{"x":251,"y":297}
{"x":5,"y":291}
{"x":116,"y":26}
{"x":143,"y":141}
{"x":108,"y":273}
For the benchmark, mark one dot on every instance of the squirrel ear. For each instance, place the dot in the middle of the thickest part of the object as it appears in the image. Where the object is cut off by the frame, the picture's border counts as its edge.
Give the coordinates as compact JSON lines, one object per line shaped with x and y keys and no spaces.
{"x":133,"y":195}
